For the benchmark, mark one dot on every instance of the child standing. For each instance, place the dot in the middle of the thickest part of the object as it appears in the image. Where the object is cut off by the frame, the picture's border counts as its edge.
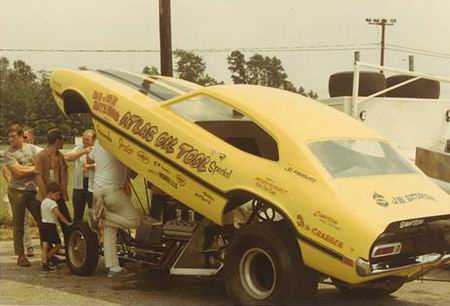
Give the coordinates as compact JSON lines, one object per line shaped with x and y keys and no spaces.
{"x":51,"y":242}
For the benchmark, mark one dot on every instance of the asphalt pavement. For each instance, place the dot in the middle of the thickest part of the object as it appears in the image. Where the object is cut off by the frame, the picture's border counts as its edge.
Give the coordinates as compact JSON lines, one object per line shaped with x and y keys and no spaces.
{"x":29,"y":286}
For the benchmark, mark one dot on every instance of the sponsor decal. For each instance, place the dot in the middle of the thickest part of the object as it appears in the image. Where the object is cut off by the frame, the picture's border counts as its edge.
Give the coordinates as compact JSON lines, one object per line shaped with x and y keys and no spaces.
{"x":267,"y":184}
{"x":180,"y":180}
{"x":380,"y":199}
{"x":166,"y":142}
{"x":166,"y":178}
{"x":174,"y":180}
{"x":136,"y":124}
{"x":327,"y":237}
{"x":170,"y":145}
{"x":300,"y":221}
{"x":125,"y":146}
{"x":220,"y":155}
{"x":411,"y":223}
{"x":300,"y":174}
{"x":328,"y":220}
{"x":192,"y":157}
{"x":214,"y":168}
{"x":402,"y":199}
{"x":143,"y":157}
{"x":322,"y":235}
{"x":205,"y":197}
{"x":105,"y":104}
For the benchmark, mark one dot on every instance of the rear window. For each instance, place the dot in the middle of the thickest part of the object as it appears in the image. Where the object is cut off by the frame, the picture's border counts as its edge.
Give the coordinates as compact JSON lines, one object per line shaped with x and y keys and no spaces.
{"x":352,"y":158}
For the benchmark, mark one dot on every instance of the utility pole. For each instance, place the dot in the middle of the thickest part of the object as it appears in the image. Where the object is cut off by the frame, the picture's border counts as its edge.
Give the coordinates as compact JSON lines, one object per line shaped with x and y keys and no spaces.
{"x":383,"y":23}
{"x":411,"y":62}
{"x":165,"y":37}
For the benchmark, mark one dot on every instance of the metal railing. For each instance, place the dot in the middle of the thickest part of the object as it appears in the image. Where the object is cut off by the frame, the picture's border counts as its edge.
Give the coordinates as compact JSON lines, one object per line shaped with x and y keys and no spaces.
{"x":417,"y":75}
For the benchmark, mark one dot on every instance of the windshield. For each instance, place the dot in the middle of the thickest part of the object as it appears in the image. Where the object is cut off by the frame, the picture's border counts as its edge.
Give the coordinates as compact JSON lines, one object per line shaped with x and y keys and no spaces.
{"x":350,"y":158}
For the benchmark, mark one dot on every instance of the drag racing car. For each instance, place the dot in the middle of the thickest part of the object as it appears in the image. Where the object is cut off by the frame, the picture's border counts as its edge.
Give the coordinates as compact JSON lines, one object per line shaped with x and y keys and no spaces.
{"x":267,"y":188}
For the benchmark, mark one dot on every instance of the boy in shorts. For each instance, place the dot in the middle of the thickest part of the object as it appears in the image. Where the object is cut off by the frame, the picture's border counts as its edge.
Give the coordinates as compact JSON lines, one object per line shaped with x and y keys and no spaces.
{"x":51,"y":242}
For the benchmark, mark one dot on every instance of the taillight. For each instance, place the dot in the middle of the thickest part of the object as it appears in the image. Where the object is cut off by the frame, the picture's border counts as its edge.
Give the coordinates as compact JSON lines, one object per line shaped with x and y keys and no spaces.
{"x":387,"y":250}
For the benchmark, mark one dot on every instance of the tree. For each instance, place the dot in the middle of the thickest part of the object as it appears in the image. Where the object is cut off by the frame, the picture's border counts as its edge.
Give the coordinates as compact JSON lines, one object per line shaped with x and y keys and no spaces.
{"x":262,"y":70}
{"x":191,"y":67}
{"x":152,"y":70}
{"x":26,"y":98}
{"x":238,"y":67}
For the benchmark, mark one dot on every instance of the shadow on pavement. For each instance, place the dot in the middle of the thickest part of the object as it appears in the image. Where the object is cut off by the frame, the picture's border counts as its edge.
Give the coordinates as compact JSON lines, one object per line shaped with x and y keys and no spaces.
{"x":30,"y":286}
{"x":146,"y":289}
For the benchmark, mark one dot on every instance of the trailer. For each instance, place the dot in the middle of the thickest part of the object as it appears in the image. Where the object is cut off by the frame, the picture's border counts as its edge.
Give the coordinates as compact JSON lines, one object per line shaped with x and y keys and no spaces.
{"x":420,"y":127}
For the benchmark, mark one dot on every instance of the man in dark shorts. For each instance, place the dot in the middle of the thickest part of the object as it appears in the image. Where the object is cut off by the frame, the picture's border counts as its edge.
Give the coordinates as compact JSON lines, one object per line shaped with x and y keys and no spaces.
{"x":50,"y":216}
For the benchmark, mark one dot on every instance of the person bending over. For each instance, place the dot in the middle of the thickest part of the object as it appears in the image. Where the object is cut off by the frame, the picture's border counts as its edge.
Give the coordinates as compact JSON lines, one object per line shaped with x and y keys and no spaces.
{"x":110,"y":192}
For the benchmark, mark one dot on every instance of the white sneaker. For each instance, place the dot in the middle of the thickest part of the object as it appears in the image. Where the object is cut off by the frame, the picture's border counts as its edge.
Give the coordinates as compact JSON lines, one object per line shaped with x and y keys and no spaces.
{"x":115,"y":271}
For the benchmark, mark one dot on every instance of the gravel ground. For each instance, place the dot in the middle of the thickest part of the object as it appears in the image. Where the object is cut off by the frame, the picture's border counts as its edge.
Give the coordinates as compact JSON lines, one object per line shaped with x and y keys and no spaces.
{"x":29,"y":286}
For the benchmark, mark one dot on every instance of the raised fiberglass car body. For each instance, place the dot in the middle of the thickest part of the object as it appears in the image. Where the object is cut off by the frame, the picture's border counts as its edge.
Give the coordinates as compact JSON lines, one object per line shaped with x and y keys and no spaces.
{"x":343,"y":189}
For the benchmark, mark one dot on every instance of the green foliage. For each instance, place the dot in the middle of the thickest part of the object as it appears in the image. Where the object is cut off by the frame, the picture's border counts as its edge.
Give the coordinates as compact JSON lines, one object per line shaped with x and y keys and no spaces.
{"x":238,"y":67}
{"x":26,"y":98}
{"x":262,"y":70}
{"x":152,"y":70}
{"x":191,"y":67}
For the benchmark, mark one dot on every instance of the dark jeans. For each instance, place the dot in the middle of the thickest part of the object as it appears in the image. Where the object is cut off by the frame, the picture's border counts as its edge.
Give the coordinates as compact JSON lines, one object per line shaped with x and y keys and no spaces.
{"x":65,"y":211}
{"x":21,"y":200}
{"x":81,"y":197}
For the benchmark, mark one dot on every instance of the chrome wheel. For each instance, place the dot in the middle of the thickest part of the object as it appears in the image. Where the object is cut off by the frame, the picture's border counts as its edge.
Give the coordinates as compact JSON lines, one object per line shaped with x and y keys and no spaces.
{"x":257,"y":273}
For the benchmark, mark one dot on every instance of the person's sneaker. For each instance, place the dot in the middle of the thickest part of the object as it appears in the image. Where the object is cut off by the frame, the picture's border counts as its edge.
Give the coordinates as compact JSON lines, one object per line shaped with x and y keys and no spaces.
{"x":30,"y":252}
{"x":118,"y":274}
{"x":23,"y":261}
{"x":55,"y":261}
{"x":47,"y":268}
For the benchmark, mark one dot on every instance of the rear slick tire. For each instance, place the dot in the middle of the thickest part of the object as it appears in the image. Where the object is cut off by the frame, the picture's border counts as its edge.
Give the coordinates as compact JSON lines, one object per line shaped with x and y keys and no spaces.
{"x":82,"y":250}
{"x":341,"y":84}
{"x":263,"y":266}
{"x":419,"y":89}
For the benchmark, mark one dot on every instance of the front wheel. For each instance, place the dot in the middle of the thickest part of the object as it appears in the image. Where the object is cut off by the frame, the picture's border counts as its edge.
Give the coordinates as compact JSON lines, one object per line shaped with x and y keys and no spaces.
{"x":82,"y":250}
{"x":263,"y":267}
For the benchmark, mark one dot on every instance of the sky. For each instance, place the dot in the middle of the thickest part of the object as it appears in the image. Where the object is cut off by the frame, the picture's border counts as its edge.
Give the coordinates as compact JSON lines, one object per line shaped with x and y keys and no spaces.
{"x":229,"y":24}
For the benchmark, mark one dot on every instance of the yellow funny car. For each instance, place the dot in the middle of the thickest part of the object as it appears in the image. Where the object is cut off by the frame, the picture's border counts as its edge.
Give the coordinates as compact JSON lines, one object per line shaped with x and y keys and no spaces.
{"x":269,"y":189}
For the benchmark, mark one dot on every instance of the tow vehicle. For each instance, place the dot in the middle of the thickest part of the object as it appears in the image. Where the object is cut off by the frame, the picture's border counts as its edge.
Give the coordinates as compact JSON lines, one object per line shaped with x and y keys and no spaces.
{"x":267,"y":188}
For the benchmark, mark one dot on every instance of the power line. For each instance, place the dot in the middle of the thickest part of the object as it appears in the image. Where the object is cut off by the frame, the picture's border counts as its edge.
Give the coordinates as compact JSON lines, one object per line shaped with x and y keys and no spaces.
{"x":418,"y":51}
{"x":342,"y":47}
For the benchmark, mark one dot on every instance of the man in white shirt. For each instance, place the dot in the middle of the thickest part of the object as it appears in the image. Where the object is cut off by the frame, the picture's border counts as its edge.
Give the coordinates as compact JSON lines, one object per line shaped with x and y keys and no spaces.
{"x":83,"y":177}
{"x":110,"y":183}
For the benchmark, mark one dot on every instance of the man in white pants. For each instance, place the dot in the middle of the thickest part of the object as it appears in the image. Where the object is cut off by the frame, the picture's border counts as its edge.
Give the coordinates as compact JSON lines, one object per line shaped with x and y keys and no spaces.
{"x":110,"y":185}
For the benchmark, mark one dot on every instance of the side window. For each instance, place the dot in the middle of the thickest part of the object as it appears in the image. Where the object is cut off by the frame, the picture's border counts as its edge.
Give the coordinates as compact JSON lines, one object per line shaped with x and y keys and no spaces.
{"x":232,"y":127}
